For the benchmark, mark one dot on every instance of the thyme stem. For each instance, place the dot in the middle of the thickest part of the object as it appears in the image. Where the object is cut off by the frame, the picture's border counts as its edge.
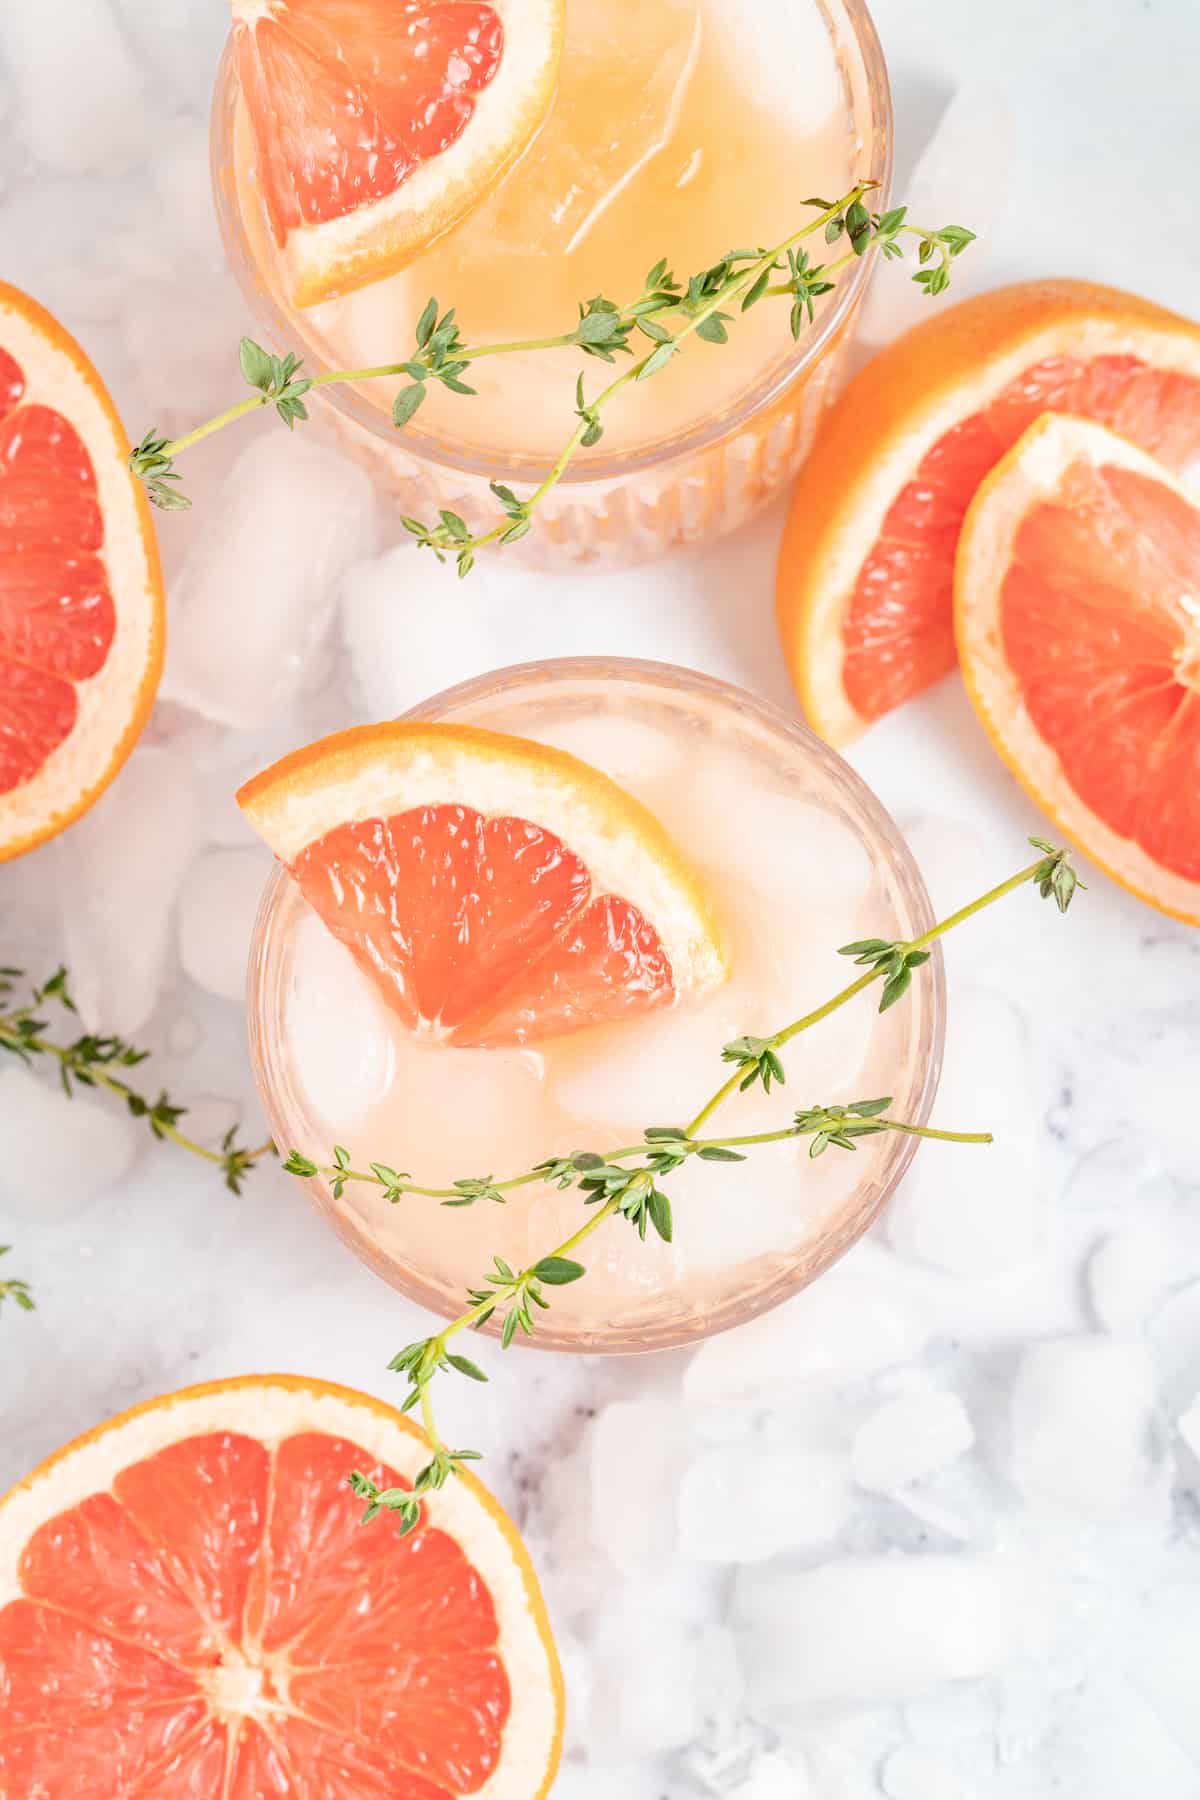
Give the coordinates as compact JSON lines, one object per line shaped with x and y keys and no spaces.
{"x":603,"y":330}
{"x":634,"y":1193}
{"x":90,"y":1061}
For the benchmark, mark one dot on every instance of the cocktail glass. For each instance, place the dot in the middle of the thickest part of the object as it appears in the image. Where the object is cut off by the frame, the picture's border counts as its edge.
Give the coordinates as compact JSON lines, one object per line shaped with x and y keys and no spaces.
{"x":767,"y":111}
{"x":798,"y":857}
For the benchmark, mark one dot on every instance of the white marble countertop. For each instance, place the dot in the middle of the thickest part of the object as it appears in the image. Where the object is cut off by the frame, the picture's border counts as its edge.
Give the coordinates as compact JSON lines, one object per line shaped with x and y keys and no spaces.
{"x":1058,"y":1638}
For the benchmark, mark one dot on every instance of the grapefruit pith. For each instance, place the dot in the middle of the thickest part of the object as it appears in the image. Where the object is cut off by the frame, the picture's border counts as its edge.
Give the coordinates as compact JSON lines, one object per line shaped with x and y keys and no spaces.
{"x":189,"y":1606}
{"x":866,"y":570}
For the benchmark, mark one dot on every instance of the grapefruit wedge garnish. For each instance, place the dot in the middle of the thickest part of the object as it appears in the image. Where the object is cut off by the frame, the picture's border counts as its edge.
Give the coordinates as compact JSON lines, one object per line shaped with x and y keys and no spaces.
{"x":81,"y":605}
{"x":379,"y":123}
{"x":866,"y":572}
{"x":189,"y":1607}
{"x":1077,"y":604}
{"x":496,"y":890}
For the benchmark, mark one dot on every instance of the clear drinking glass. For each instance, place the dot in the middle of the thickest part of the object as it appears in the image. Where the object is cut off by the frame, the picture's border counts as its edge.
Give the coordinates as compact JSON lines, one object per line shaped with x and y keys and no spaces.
{"x":694,"y":469}
{"x":753,"y":798}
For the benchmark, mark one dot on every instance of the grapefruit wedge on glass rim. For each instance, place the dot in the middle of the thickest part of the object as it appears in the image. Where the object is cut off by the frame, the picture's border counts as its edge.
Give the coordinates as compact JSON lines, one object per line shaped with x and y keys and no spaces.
{"x":81,"y":600}
{"x":1077,"y":607}
{"x":190,"y":1607}
{"x":378,"y":124}
{"x":497,"y":891}
{"x":866,"y":571}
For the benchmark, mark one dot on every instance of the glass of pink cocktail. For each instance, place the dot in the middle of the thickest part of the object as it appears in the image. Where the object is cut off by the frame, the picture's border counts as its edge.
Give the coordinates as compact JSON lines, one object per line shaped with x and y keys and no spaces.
{"x":797,"y":858}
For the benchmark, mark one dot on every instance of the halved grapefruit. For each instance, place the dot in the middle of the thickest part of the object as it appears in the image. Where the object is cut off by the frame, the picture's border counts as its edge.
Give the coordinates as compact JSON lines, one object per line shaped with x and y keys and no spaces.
{"x":866,"y":571}
{"x":1077,"y":606}
{"x":81,"y":601}
{"x":189,"y":1607}
{"x":496,"y":890}
{"x":379,"y":123}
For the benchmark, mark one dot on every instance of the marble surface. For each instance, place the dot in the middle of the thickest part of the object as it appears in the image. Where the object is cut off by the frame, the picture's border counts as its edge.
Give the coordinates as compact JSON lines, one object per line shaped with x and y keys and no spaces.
{"x":978,"y":1533}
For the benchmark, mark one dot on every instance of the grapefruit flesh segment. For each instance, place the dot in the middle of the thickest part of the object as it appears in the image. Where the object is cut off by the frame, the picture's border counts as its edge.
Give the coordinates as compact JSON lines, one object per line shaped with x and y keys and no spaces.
{"x":57,"y":618}
{"x":380,"y":89}
{"x":487,"y":928}
{"x":898,"y":633}
{"x":37,"y":713}
{"x":220,"y":1623}
{"x":1102,"y":630}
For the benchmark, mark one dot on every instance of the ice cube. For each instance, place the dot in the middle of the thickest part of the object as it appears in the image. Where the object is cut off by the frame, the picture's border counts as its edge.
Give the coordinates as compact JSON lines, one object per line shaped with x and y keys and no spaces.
{"x":846,"y":1325}
{"x":253,"y":603}
{"x":584,"y":1781}
{"x":1162,"y":1654}
{"x":506,"y":612}
{"x":776,"y":1775}
{"x":629,"y":749}
{"x":60,"y":1154}
{"x":910,"y":1437}
{"x":1107,"y":1743}
{"x":952,"y":1717}
{"x":181,"y":40}
{"x":979,"y":1210}
{"x":875,"y":1630}
{"x":646,"y":1675}
{"x":1189,"y":1426}
{"x":119,"y":874}
{"x":1175,"y":1339}
{"x":657,"y":1071}
{"x":918,"y":1772}
{"x":798,"y":1498}
{"x":640,"y":1442}
{"x":75,"y":48}
{"x":721,"y":1756}
{"x":800,"y":81}
{"x":641,"y":71}
{"x":183,"y":1035}
{"x":338,"y":1028}
{"x":1082,"y":1418}
{"x":1126,"y":1274}
{"x":773,"y":1202}
{"x":217,"y":908}
{"x":224,"y":760}
{"x":795,"y":847}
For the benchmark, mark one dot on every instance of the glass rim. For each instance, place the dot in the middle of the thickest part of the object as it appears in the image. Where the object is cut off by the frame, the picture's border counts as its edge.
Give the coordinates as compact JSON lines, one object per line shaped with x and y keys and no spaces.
{"x":886,"y":842}
{"x":879,"y":142}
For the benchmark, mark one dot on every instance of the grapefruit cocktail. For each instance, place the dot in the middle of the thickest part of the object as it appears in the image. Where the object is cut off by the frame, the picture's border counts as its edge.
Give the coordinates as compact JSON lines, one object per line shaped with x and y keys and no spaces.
{"x":527,"y":922}
{"x":569,"y":146}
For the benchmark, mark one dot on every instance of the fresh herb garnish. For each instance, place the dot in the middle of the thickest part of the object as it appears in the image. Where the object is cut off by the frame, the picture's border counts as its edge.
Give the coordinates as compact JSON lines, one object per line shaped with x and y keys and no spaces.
{"x":91,"y":1061}
{"x":638,"y":1193}
{"x":665,"y":314}
{"x":14,"y":1289}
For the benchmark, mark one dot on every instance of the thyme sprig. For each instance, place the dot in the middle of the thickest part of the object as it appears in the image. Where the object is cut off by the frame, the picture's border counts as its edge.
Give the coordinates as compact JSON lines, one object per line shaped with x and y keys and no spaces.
{"x":666,"y":313}
{"x":636,"y":1193}
{"x":12,"y":1288}
{"x":92,"y":1061}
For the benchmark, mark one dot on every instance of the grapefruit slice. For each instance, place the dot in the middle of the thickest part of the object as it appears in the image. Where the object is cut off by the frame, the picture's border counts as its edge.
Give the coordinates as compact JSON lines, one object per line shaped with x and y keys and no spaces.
{"x":496,"y":890}
{"x":1077,"y":605}
{"x":379,"y":123}
{"x":866,"y":571}
{"x":189,"y":1607}
{"x":81,"y":602}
